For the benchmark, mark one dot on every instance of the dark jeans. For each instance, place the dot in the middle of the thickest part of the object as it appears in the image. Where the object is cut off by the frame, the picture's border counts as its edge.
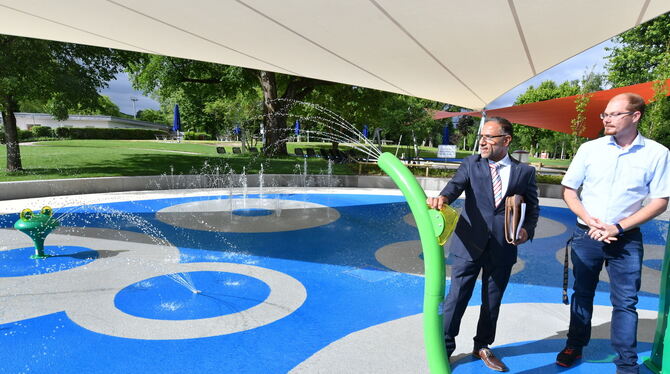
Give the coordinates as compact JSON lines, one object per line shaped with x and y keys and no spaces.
{"x":623,"y":261}
{"x":463,"y":277}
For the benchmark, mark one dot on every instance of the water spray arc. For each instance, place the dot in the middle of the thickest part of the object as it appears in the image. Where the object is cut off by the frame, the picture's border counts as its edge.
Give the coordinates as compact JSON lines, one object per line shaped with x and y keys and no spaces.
{"x":434,"y":227}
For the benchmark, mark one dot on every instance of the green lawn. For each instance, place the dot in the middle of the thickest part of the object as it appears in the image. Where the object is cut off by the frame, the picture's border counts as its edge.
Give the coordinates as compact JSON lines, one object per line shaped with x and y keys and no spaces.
{"x":99,"y":158}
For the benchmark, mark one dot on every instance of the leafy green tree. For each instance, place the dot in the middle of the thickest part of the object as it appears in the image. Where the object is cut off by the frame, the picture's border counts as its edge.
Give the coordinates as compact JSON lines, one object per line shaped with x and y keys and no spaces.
{"x":399,"y":116}
{"x":642,"y":54}
{"x":242,"y":110}
{"x":196,"y":85}
{"x":62,"y":75}
{"x":105,"y":107}
{"x":155,"y":116}
{"x":638,"y":52}
{"x":533,"y":138}
{"x":465,"y":126}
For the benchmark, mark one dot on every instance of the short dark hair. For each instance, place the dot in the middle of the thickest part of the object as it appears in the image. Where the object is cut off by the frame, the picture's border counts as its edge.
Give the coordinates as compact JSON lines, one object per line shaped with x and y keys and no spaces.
{"x":505,"y":125}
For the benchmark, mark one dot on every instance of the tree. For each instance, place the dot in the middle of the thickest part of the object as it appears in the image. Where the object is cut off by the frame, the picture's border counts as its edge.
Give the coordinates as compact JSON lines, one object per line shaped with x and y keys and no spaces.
{"x":196,"y":85}
{"x":61,"y":75}
{"x":155,"y":116}
{"x":465,"y":126}
{"x":642,"y":54}
{"x":398,"y":116}
{"x":274,"y":110}
{"x":532,"y":137}
{"x":638,"y":52}
{"x":105,"y":107}
{"x":243,"y":111}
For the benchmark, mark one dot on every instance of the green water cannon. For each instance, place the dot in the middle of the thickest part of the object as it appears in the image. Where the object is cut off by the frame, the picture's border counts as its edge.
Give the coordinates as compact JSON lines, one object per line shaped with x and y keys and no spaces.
{"x":37,"y":226}
{"x":435,"y":227}
{"x":659,"y":362}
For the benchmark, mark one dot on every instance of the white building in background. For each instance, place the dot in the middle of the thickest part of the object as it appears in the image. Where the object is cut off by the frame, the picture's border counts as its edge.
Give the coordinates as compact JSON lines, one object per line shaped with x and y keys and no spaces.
{"x":25,"y":121}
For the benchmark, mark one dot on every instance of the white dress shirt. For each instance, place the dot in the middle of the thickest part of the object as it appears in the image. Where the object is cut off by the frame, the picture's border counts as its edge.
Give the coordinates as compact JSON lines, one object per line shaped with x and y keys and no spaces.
{"x":504,"y":170}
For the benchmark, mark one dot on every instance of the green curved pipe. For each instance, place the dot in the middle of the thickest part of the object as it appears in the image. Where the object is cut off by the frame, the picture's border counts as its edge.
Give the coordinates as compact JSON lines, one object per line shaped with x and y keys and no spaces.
{"x":433,"y":257}
{"x":660,"y":353}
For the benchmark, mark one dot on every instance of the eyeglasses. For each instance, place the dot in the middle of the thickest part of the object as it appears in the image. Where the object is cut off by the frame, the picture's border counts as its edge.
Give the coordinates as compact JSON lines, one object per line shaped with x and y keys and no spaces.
{"x":616,"y":114}
{"x":489,"y":138}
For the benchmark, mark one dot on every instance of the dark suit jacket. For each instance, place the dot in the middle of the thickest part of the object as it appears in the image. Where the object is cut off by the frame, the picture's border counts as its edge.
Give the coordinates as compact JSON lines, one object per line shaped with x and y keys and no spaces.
{"x":481,"y":225}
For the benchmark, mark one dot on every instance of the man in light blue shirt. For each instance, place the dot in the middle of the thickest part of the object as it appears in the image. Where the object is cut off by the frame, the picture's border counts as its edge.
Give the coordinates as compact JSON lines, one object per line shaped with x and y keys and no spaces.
{"x":617,"y":173}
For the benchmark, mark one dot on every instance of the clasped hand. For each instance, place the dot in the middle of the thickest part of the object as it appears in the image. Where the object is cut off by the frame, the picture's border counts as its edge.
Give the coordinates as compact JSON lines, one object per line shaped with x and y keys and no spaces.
{"x":601,"y":231}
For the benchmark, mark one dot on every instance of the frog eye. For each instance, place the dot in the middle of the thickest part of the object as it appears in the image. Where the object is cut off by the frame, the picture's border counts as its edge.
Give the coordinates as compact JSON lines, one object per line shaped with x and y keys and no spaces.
{"x":47,"y":211}
{"x":26,"y":214}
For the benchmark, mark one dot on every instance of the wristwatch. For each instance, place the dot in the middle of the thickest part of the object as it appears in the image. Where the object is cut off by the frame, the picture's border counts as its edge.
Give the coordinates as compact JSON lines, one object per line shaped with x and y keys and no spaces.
{"x":618,"y":226}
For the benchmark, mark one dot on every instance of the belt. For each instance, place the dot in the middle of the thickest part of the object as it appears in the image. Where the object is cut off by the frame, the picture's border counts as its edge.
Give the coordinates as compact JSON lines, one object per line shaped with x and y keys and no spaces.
{"x":584,"y":227}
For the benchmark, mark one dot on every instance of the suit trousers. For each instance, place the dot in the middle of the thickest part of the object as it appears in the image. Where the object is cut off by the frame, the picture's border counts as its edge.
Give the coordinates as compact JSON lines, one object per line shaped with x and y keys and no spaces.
{"x":464,"y":273}
{"x":623,"y":261}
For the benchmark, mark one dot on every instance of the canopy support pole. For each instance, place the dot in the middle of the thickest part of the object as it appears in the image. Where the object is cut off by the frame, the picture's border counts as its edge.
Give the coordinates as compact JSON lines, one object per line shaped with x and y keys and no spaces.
{"x":475,"y":147}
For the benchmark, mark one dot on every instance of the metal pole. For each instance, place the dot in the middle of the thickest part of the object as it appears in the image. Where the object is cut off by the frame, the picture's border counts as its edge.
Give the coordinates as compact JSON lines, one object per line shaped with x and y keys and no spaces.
{"x":475,"y":147}
{"x":134,"y":99}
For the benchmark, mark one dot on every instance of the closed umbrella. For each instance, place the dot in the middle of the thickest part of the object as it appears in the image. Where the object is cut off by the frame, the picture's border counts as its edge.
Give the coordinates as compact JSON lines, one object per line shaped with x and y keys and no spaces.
{"x":445,"y":135}
{"x":296,"y":130}
{"x":176,"y":122}
{"x":365,"y":131}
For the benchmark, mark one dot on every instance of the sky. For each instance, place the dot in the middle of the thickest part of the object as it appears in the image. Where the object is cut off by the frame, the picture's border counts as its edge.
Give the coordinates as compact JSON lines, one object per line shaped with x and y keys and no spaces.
{"x":568,"y":70}
{"x":120,"y":90}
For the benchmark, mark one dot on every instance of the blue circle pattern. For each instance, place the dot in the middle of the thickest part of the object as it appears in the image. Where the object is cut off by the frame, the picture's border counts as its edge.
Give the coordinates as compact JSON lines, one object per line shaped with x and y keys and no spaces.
{"x":214,"y":294}
{"x":17,"y":262}
{"x":655,"y":264}
{"x":252,"y":212}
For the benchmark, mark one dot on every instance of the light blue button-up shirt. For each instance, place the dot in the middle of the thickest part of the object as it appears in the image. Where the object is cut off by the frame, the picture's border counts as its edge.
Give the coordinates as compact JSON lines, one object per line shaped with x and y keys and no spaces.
{"x":615,"y":181}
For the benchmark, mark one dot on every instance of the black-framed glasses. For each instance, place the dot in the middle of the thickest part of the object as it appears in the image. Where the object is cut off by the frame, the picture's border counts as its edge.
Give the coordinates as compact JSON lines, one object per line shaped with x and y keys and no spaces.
{"x":489,"y":138}
{"x":615,"y":114}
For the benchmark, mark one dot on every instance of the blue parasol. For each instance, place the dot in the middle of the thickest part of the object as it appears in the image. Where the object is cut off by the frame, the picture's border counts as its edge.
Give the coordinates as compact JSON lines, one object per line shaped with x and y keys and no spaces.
{"x":176,"y":122}
{"x":297,"y":127}
{"x":365,"y":131}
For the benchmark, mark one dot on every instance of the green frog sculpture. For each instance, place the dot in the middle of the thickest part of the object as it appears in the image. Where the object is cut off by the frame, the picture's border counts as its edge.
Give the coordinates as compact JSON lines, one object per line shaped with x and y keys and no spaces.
{"x":37,"y":226}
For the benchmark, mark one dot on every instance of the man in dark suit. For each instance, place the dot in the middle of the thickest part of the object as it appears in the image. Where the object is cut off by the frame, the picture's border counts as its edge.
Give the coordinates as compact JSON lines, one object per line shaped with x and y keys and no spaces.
{"x":479,"y":243}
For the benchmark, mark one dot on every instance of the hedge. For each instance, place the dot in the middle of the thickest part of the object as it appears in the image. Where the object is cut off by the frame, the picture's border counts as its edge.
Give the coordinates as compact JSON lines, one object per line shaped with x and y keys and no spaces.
{"x":192,"y":135}
{"x":83,"y":133}
{"x":41,"y":131}
{"x":107,"y":133}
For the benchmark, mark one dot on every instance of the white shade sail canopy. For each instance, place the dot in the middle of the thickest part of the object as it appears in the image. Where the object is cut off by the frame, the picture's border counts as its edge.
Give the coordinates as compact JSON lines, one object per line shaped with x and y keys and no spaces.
{"x":460,"y":52}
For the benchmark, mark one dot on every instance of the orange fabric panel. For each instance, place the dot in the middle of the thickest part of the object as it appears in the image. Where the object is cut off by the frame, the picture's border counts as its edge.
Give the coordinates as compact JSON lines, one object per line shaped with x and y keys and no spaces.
{"x":556,"y":114}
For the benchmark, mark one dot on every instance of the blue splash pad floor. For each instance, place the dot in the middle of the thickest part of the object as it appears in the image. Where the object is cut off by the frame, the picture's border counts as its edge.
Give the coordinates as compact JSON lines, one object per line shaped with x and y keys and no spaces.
{"x":343,"y":292}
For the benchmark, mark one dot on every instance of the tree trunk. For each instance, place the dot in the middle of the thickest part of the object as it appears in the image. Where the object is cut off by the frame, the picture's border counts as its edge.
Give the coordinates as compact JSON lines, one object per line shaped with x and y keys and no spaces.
{"x":11,"y":134}
{"x":274,"y":121}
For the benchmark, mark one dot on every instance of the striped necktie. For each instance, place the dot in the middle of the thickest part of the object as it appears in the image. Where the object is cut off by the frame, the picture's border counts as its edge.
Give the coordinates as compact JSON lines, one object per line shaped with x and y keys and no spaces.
{"x":496,"y":181}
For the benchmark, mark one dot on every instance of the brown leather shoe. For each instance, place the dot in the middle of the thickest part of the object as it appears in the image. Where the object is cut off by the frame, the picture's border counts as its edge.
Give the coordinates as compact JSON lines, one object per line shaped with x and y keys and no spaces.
{"x":490,"y":359}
